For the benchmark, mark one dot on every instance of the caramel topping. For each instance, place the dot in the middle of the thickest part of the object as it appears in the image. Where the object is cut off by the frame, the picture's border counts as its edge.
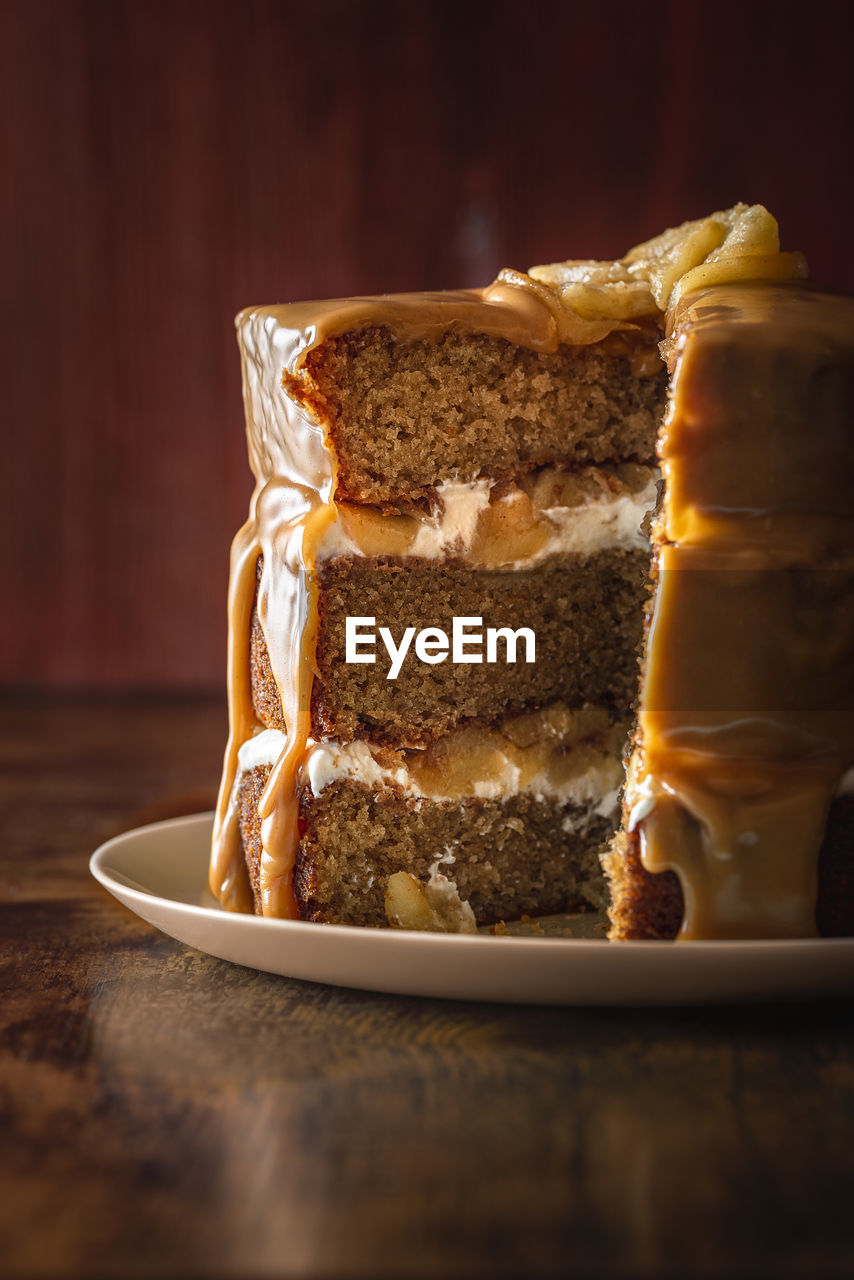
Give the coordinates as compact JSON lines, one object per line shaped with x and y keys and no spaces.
{"x":747,"y":721}
{"x":284,"y":527}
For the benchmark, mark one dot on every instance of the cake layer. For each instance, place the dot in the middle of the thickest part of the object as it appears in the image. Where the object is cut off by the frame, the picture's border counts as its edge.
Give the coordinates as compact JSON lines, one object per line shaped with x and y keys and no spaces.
{"x":567,"y":630}
{"x":525,"y":854}
{"x":508,"y":819}
{"x":377,"y":398}
{"x":405,"y":415}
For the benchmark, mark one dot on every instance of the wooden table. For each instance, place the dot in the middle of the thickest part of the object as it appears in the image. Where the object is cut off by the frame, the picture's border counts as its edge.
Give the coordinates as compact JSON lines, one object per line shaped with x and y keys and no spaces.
{"x":164,"y":1113}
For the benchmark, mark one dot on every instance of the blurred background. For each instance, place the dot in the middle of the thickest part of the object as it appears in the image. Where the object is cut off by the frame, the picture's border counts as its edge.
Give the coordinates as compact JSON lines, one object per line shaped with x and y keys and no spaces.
{"x":167,"y":163}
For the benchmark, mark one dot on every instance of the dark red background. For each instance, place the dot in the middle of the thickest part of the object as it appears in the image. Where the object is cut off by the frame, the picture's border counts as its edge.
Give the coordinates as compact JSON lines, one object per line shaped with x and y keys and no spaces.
{"x":164,"y":164}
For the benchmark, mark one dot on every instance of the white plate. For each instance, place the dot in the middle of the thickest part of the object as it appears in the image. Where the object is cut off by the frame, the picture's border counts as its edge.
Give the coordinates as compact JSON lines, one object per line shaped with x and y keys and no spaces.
{"x":160,"y":872}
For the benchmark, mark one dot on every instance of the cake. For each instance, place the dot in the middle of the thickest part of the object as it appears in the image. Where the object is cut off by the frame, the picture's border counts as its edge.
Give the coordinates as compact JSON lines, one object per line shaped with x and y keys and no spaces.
{"x":416,"y":486}
{"x":437,"y":603}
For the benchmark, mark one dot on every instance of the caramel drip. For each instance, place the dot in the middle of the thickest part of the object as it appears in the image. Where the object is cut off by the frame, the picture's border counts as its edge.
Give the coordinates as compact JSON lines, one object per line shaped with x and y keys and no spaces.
{"x":286,"y":524}
{"x":229,"y":879}
{"x":288,"y":595}
{"x":744,"y":845}
{"x":291,"y":509}
{"x":747,"y":722}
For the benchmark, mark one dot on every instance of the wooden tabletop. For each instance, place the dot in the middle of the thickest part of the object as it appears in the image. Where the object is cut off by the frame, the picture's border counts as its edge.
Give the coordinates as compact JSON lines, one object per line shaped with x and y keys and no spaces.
{"x":163,"y":1113}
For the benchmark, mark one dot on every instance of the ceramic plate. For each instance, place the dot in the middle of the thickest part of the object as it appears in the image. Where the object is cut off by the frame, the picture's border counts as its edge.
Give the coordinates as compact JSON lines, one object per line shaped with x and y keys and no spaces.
{"x":160,"y":872}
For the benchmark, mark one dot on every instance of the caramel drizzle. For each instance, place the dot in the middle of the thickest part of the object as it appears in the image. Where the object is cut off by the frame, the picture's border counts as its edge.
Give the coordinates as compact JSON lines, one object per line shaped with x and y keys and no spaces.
{"x":229,"y":878}
{"x":743,"y":735}
{"x":288,"y":593}
{"x":285,"y":527}
{"x":746,"y":853}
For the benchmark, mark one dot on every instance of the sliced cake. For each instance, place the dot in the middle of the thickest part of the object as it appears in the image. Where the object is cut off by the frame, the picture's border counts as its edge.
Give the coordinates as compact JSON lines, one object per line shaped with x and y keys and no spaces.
{"x":436,"y":604}
{"x":439,"y":599}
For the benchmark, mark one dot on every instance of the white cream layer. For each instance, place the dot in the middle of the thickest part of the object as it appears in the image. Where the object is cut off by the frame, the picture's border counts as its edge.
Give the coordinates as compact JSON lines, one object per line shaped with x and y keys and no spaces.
{"x":595,"y":788}
{"x":602,"y":522}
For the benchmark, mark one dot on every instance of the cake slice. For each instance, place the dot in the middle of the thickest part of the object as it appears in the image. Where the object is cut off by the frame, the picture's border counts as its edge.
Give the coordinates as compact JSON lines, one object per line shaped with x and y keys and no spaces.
{"x":436,"y":603}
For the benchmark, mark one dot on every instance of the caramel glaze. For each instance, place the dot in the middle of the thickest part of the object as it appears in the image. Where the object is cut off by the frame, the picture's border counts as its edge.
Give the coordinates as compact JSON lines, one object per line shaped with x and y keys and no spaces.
{"x":747,"y":713}
{"x":292,"y":506}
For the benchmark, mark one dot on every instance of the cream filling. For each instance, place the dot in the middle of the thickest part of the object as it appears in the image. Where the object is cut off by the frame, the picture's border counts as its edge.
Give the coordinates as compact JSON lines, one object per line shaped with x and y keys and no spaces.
{"x":462,"y":505}
{"x":594,"y":786}
{"x":516,"y":530}
{"x":601,"y":525}
{"x":593,"y":783}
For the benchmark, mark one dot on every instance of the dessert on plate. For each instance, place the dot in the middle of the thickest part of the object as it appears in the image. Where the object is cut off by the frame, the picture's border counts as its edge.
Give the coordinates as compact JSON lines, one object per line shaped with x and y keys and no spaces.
{"x":438,"y":601}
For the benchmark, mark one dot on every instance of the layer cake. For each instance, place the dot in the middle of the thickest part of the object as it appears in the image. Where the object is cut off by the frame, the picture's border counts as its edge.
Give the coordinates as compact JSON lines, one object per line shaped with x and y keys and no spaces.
{"x":438,"y":601}
{"x":440,"y":472}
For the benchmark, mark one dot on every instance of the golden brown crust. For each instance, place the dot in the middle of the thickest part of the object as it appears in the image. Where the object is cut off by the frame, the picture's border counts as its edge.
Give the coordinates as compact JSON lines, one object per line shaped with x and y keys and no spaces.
{"x":266,"y":701}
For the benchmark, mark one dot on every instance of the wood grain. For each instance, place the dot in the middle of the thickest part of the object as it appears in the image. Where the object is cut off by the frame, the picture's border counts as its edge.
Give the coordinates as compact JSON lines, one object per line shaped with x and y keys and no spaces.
{"x":164,"y":1113}
{"x":165,"y":163}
